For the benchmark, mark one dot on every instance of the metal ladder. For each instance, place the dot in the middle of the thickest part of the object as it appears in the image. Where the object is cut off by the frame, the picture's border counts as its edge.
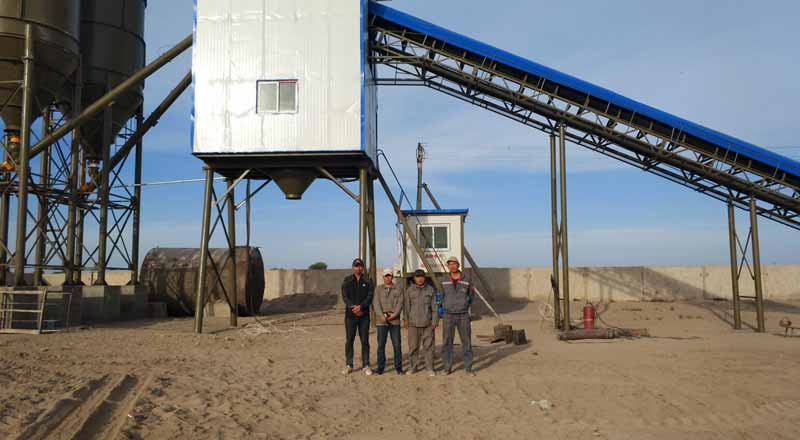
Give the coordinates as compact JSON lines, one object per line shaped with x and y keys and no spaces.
{"x":23,"y":312}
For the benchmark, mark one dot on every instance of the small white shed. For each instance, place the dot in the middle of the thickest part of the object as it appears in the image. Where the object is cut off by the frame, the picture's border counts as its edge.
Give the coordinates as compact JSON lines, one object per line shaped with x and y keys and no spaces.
{"x":441,"y":235}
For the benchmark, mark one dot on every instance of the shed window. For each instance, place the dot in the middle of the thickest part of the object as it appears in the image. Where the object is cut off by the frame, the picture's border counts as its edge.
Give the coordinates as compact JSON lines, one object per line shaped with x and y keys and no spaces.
{"x":277,"y":96}
{"x":434,"y":237}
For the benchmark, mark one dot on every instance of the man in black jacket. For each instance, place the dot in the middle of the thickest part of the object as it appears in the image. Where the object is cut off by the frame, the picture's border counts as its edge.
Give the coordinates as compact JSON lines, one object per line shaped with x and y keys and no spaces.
{"x":357,"y":293}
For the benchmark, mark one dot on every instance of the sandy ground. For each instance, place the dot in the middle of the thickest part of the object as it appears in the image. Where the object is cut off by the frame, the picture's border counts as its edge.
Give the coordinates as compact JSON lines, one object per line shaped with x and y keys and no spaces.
{"x":696,"y":379}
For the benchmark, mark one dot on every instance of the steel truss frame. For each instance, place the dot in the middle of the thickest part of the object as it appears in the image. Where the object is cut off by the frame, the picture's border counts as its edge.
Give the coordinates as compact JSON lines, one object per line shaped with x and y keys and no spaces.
{"x":219,"y":211}
{"x":419,"y":59}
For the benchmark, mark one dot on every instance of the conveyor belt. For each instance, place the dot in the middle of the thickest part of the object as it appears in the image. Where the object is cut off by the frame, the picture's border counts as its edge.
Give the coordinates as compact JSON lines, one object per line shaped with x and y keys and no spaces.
{"x":721,"y":166}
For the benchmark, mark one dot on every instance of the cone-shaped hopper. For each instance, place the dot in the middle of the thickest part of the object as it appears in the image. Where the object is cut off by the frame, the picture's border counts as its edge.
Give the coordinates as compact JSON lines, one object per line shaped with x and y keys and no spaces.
{"x":293,"y":181}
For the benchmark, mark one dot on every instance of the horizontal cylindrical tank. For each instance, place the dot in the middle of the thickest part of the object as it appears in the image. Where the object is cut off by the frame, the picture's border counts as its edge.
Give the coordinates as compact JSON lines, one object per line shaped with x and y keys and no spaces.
{"x":56,"y":26}
{"x":171,"y":276}
{"x":113,"y":48}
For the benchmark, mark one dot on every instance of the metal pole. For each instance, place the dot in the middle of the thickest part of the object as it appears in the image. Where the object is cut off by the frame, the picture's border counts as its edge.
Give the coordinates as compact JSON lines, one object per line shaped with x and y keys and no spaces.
{"x":103,"y":194}
{"x":137,"y":200}
{"x":41,"y":214}
{"x":24,"y":148}
{"x":201,"y":276}
{"x":564,"y":241}
{"x":420,"y":158}
{"x":362,"y":213}
{"x":556,"y":241}
{"x":5,"y":202}
{"x":757,"y":266}
{"x":80,"y":221}
{"x":112,"y":95}
{"x":72,"y":184}
{"x":737,"y":309}
{"x":233,"y":296}
{"x":373,"y":255}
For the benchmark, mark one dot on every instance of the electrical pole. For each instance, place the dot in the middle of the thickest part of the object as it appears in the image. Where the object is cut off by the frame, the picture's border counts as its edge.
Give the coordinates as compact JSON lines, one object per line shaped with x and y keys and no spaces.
{"x":420,"y":158}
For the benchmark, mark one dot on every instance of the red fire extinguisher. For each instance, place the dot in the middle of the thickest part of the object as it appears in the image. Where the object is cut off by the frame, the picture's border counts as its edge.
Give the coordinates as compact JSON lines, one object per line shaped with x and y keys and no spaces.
{"x":588,"y":316}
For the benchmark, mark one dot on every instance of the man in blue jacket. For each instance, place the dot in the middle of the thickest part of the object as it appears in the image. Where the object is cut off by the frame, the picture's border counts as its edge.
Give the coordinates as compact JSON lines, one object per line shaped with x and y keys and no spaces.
{"x":357,"y":293}
{"x":457,"y":292}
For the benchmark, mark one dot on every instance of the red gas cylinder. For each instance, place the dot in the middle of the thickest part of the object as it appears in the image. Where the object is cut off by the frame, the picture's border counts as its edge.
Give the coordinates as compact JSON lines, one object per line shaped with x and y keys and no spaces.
{"x":588,"y":316}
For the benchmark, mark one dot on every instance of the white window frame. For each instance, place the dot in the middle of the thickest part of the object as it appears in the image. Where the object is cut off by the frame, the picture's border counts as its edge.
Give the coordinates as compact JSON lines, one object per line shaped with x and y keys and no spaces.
{"x":277,"y":83}
{"x":433,"y":239}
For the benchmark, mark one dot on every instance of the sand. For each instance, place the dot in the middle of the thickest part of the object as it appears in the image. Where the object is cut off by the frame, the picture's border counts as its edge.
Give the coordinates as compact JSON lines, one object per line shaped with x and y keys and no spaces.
{"x":696,"y":379}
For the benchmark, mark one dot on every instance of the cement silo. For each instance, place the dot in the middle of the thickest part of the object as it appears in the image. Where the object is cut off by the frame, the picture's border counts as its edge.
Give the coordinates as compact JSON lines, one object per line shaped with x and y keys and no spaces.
{"x":113,"y":49}
{"x":56,"y":52}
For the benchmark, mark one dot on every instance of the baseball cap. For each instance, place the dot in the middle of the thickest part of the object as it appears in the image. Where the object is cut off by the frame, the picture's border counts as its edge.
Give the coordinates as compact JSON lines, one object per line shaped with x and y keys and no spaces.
{"x":358,"y":262}
{"x":388,"y":272}
{"x":419,"y":273}
{"x":454,"y":260}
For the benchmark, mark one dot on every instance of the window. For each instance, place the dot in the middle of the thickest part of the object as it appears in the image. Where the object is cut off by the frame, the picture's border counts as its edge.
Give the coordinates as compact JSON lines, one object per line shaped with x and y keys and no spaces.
{"x":434,"y":237}
{"x":276,"y":96}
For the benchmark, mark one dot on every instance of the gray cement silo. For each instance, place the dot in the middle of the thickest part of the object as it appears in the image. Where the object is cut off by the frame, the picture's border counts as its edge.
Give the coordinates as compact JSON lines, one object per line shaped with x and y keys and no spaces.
{"x":55,"y":30}
{"x":113,"y":48}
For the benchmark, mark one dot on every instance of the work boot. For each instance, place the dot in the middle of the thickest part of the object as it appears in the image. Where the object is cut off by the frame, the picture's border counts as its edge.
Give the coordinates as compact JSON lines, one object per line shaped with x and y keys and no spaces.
{"x":347,"y":370}
{"x":367,"y":371}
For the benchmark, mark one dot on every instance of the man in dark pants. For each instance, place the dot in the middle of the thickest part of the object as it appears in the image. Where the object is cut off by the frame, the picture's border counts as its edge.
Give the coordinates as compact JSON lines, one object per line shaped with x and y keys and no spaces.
{"x":457,"y":298}
{"x":388,"y":307}
{"x":357,"y":292}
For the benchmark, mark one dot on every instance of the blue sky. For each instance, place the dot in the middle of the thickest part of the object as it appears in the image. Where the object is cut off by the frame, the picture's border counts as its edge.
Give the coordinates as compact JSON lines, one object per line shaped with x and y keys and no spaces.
{"x":729,"y":65}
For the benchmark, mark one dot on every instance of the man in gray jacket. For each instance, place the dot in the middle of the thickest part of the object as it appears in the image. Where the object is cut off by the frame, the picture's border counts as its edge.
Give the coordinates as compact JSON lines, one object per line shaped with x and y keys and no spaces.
{"x":388,"y":307}
{"x":457,"y":298}
{"x":421,"y":318}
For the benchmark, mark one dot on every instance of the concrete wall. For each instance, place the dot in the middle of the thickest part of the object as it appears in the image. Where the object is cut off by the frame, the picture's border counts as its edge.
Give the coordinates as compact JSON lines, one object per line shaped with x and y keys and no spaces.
{"x":781,"y":282}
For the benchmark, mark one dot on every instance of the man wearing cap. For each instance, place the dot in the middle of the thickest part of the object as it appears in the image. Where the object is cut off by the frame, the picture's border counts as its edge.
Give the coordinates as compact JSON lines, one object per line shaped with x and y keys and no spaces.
{"x":421,"y":318}
{"x":457,"y":297}
{"x":357,"y":292}
{"x":388,"y":307}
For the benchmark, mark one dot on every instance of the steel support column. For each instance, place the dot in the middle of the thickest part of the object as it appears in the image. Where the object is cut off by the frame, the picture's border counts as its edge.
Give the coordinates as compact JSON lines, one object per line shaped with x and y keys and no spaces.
{"x":80,"y":221}
{"x":737,"y":306}
{"x":373,"y":254}
{"x":5,"y":203}
{"x":72,"y":185}
{"x":556,"y":239}
{"x":362,"y":213}
{"x":137,"y":200}
{"x":103,"y":193}
{"x":757,"y":266}
{"x":564,"y":241}
{"x":199,"y":302}
{"x":23,"y":165}
{"x":233,"y":296}
{"x":43,"y":205}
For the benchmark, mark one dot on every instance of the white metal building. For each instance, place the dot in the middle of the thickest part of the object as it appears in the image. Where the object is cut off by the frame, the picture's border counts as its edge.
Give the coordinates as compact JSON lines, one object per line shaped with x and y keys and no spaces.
{"x":283,"y":76}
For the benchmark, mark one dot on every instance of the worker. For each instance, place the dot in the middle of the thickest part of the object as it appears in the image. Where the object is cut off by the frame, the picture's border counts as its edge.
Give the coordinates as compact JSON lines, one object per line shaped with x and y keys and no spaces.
{"x":388,"y":308}
{"x":421,"y":319}
{"x":457,"y":292}
{"x":357,"y":293}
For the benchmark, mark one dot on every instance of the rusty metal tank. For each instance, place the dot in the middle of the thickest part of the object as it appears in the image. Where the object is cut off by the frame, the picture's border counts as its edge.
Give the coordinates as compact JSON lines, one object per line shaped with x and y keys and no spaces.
{"x":171,"y":276}
{"x":56,"y":26}
{"x":113,"y":48}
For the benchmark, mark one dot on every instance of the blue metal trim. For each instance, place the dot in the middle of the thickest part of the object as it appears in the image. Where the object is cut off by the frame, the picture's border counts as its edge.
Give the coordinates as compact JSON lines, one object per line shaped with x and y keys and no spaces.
{"x":435,"y":212}
{"x":722,"y":140}
{"x":191,"y":115}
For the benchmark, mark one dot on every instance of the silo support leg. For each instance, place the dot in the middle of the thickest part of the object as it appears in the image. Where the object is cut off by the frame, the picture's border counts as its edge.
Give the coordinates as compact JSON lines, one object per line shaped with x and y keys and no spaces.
{"x":201,"y":275}
{"x":362,"y":213}
{"x":136,"y":202}
{"x":23,"y":171}
{"x":233,"y":297}
{"x":103,"y":195}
